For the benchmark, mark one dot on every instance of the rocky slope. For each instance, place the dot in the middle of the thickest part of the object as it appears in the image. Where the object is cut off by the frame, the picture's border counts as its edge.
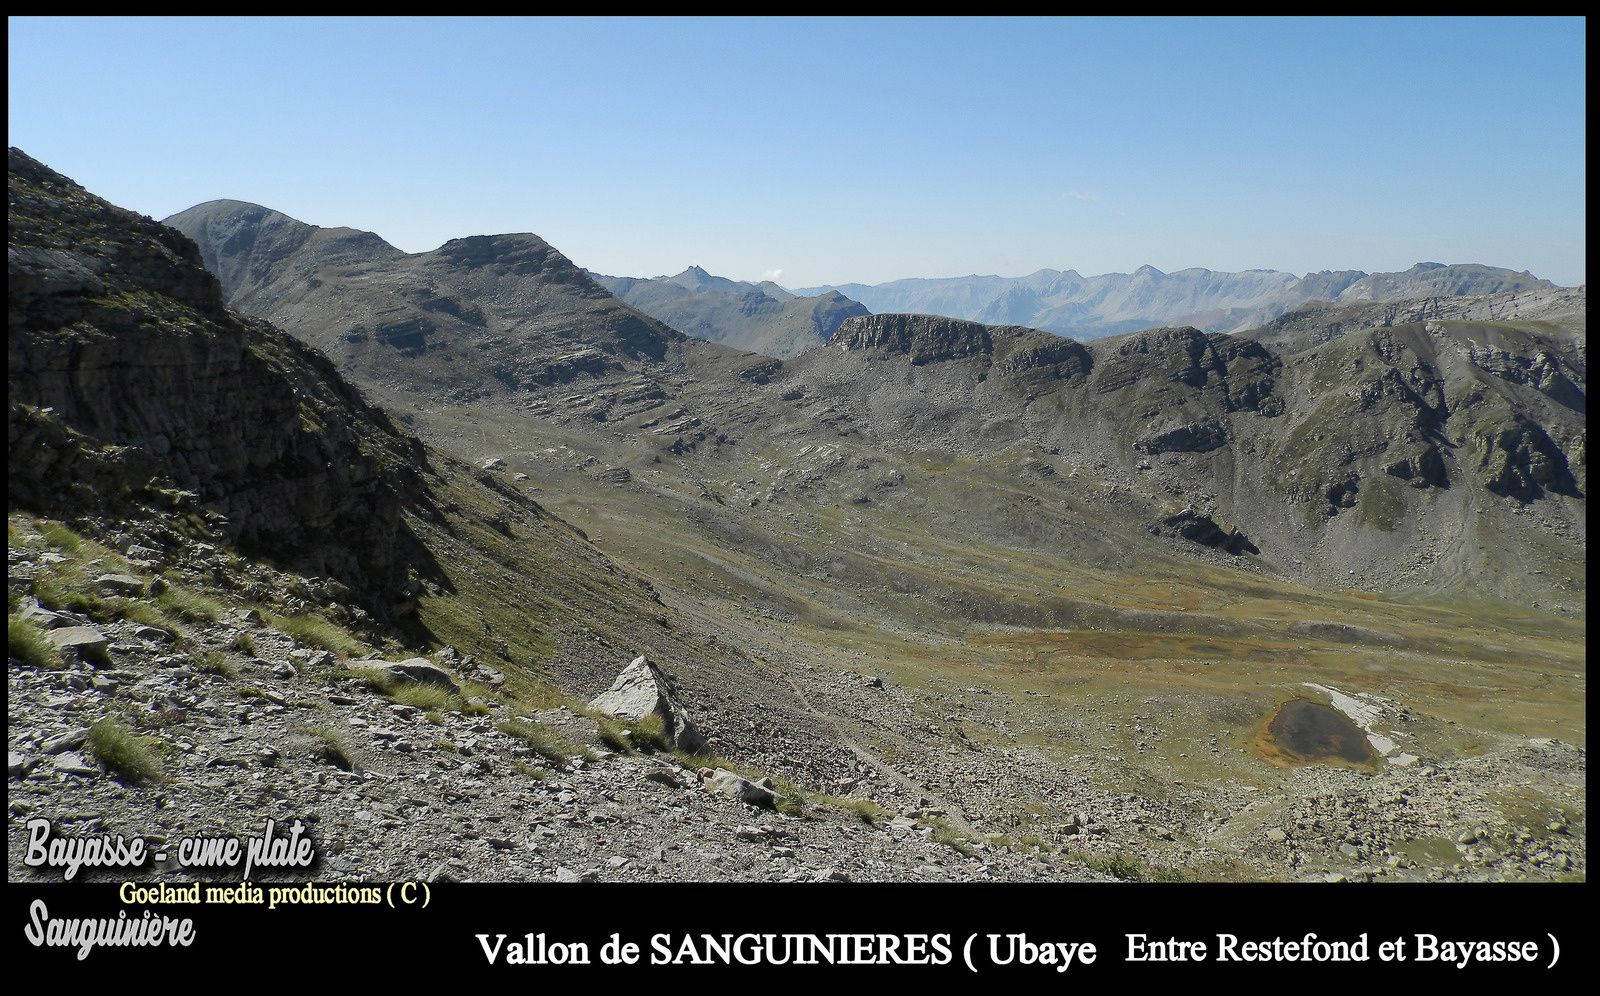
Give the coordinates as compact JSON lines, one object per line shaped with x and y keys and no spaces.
{"x":129,"y":379}
{"x":758,"y":318}
{"x":1090,"y":307}
{"x":215,"y":545}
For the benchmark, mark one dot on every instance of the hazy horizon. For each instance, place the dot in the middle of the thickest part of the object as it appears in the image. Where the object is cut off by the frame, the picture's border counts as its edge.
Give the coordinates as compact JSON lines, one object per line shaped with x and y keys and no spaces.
{"x":831,"y":151}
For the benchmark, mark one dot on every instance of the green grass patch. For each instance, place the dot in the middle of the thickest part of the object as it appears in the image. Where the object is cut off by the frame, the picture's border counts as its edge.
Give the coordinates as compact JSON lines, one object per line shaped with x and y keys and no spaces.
{"x":214,"y":662}
{"x":429,"y":698}
{"x":142,"y":613}
{"x":865,"y":810}
{"x":945,"y":833}
{"x":188,"y":606}
{"x":60,"y":537}
{"x":315,"y":631}
{"x":58,"y":593}
{"x":331,"y":747}
{"x":123,"y":751}
{"x":649,"y":734}
{"x":544,"y":741}
{"x":243,"y":643}
{"x":1129,"y":868}
{"x":27,"y":643}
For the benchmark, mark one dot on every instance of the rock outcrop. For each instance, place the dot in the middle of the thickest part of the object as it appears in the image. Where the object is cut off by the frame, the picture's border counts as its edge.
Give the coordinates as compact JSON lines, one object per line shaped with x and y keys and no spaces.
{"x":129,"y":380}
{"x":643,"y":689}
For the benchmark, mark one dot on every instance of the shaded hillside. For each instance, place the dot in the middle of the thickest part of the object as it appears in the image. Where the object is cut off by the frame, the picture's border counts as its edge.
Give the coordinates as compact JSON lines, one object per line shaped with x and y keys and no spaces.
{"x":129,"y":381}
{"x":153,"y":417}
{"x":758,"y":318}
{"x":1111,"y":303}
{"x":484,"y":314}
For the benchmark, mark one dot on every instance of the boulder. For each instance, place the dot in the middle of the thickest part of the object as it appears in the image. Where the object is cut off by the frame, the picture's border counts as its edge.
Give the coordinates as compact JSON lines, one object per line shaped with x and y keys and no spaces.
{"x":642,"y":689}
{"x":415,"y":671}
{"x":725,"y":782}
{"x":85,"y":641}
{"x":119,"y":584}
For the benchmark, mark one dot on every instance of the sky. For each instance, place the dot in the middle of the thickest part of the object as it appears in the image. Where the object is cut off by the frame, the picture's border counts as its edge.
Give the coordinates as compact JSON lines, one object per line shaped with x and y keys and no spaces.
{"x":830,"y":151}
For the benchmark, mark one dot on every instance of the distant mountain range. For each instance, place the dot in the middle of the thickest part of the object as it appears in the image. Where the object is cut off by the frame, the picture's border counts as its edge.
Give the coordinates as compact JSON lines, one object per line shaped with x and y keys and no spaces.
{"x":1090,"y":307}
{"x":760,"y":318}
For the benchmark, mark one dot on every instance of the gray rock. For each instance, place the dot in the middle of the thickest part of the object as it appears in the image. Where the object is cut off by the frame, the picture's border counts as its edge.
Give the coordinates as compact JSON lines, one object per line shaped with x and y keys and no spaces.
{"x":642,"y":689}
{"x":86,"y":641}
{"x":43,"y":617}
{"x":725,"y":782}
{"x":119,"y":584}
{"x":415,"y":671}
{"x":665,"y":776}
{"x":75,"y":764}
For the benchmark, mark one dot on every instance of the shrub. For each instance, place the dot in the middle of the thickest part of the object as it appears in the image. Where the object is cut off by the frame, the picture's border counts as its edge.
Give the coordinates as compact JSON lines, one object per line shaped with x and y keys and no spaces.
{"x":213,"y":662}
{"x":331,"y":747}
{"x":61,"y":537}
{"x":314,"y":631}
{"x":25,"y":642}
{"x":865,"y":810}
{"x":123,"y":751}
{"x":188,"y":606}
{"x":544,"y":741}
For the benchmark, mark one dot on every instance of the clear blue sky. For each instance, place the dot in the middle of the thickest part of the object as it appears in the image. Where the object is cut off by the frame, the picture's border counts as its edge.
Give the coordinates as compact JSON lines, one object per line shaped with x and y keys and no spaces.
{"x":845,"y":150}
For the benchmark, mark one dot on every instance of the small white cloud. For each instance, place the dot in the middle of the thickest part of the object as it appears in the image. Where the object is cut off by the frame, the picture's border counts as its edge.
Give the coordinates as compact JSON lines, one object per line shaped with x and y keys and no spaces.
{"x":1084,"y":196}
{"x":772,"y":275}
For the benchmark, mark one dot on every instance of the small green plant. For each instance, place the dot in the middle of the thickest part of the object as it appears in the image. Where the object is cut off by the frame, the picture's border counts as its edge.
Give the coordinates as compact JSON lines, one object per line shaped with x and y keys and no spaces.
{"x":946,"y":834}
{"x":614,"y":736}
{"x":214,"y":662}
{"x":865,"y":810}
{"x":57,"y":594}
{"x":188,"y":606}
{"x":123,"y":751}
{"x":649,"y":734}
{"x":60,"y":537}
{"x":544,"y":741}
{"x":527,"y":770}
{"x":331,"y":747}
{"x":1129,"y":868}
{"x":243,"y":643}
{"x":791,"y":798}
{"x":26,"y":643}
{"x":315,"y":631}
